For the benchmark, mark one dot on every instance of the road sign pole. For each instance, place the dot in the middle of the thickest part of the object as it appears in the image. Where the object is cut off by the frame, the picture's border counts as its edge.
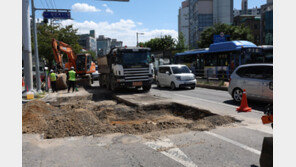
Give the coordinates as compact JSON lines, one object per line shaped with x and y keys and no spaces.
{"x":26,"y":42}
{"x":38,"y":82}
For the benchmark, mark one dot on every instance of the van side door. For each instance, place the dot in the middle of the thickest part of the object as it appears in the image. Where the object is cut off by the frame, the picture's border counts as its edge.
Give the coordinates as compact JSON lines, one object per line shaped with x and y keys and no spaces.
{"x":166,"y":77}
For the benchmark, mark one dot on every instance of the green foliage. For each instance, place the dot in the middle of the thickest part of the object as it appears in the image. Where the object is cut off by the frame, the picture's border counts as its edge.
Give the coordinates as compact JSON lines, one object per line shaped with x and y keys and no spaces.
{"x":166,"y":42}
{"x":235,"y":32}
{"x":181,"y":43}
{"x":45,"y":34}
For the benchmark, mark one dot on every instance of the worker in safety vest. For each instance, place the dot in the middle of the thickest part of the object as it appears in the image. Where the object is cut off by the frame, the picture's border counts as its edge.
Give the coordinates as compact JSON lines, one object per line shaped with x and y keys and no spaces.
{"x":53,"y":79}
{"x":71,"y":75}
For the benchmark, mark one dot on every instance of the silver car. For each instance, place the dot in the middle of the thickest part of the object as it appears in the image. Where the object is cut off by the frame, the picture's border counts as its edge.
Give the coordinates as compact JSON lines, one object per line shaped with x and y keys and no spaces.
{"x":256,"y":79}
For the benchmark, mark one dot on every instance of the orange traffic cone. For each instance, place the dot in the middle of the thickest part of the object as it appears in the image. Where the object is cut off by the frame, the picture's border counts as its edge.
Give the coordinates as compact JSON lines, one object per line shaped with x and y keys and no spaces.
{"x":244,"y":104}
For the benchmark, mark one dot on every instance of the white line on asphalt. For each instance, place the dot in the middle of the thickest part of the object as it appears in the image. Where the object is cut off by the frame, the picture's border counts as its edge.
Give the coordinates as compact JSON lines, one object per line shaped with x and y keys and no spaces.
{"x":166,"y":147}
{"x":235,"y":143}
{"x":261,"y":128}
{"x":228,"y":105}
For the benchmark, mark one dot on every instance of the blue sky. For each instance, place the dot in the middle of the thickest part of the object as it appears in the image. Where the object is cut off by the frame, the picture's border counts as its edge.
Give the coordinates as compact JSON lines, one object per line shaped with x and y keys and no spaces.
{"x":122,"y":20}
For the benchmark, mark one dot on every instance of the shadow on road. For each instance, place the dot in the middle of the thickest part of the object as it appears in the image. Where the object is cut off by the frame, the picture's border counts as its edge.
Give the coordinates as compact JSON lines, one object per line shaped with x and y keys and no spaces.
{"x":256,"y":105}
{"x":169,"y":89}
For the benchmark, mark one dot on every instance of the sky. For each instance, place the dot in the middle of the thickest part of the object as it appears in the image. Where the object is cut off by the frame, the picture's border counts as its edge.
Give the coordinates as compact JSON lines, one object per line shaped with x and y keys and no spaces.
{"x":122,"y":20}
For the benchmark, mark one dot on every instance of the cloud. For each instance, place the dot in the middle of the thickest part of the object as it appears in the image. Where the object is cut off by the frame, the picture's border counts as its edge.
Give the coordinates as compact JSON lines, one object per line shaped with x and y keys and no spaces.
{"x":107,"y":10}
{"x":140,"y":23}
{"x":123,"y":30}
{"x":83,"y":7}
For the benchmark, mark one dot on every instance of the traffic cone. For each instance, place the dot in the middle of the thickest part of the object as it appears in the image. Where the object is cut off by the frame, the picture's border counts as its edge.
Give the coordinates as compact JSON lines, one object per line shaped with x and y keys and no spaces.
{"x":244,"y":104}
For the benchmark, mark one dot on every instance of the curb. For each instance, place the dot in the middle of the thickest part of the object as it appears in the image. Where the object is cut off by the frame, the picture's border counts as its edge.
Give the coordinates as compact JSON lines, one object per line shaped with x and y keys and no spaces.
{"x":213,"y":87}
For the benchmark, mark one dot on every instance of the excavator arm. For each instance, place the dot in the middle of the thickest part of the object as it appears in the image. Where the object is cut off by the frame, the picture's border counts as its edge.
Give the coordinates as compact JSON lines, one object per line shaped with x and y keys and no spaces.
{"x":57,"y":54}
{"x":58,"y":46}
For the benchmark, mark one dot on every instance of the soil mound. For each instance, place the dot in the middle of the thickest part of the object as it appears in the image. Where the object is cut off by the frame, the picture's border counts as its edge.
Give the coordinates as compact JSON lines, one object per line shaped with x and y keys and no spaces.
{"x":85,"y":117}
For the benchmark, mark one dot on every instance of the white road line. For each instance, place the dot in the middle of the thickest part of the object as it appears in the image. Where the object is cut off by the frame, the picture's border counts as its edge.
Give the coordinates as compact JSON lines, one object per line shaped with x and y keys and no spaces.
{"x":227,"y":105}
{"x":235,"y":143}
{"x":261,"y":128}
{"x":166,"y":147}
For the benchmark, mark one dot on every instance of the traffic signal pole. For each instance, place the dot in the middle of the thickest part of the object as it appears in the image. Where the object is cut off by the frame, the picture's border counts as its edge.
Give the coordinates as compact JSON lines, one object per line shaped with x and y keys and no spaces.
{"x":38,"y":82}
{"x":27,"y":51}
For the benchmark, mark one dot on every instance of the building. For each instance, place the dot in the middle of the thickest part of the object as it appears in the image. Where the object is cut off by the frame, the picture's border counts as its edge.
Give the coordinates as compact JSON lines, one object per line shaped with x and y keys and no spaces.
{"x":266,"y":24}
{"x":244,"y":6}
{"x":206,"y":13}
{"x":254,"y":12}
{"x":251,"y":21}
{"x":115,"y":43}
{"x":88,"y":42}
{"x":183,"y":22}
{"x":103,"y":45}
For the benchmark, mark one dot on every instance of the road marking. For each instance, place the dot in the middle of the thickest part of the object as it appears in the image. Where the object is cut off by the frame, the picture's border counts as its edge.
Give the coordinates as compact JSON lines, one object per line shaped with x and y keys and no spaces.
{"x":227,"y":105}
{"x":261,"y":128}
{"x":166,"y":147}
{"x":235,"y":143}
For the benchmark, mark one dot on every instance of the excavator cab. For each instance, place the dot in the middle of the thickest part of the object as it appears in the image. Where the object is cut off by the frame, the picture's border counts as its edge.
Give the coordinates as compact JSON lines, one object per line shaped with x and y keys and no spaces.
{"x":84,"y":64}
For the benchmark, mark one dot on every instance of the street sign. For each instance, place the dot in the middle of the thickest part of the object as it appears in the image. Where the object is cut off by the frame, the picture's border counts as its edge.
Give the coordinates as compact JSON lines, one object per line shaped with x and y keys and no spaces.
{"x":57,"y":15}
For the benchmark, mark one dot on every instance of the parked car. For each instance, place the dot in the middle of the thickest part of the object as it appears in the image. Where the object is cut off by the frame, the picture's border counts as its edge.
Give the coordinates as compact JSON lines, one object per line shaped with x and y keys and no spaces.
{"x":256,"y":79}
{"x":175,"y":76}
{"x":96,"y":74}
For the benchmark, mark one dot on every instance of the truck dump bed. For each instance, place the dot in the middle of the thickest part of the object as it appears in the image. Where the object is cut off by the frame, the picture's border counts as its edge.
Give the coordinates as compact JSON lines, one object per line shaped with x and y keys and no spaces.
{"x":103,"y":67}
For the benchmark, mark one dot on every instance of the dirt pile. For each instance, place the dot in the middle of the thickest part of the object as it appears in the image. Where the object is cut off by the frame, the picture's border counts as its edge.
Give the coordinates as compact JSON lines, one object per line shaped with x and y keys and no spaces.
{"x":85,"y":117}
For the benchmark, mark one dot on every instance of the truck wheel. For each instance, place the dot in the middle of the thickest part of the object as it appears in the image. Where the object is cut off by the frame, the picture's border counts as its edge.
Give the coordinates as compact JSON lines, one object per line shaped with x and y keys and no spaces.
{"x":113,"y":86}
{"x":146,"y":88}
{"x":173,"y":86}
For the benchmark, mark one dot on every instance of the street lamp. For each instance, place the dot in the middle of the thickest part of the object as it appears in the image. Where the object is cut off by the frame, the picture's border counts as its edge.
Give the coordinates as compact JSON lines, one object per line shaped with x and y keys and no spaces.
{"x":138,"y":33}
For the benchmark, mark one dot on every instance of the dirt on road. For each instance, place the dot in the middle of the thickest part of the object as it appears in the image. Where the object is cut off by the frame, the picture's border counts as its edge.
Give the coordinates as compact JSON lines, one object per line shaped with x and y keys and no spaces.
{"x":86,"y":117}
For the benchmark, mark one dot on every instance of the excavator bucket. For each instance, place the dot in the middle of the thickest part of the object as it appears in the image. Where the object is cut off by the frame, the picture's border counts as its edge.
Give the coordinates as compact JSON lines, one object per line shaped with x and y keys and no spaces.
{"x":266,"y":119}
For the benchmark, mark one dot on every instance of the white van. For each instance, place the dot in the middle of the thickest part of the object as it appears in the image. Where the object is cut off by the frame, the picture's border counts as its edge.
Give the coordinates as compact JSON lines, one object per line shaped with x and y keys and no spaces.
{"x":175,"y":76}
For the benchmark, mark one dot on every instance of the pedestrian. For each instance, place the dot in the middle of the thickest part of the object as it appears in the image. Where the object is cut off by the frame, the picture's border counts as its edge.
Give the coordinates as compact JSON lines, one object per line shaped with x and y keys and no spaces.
{"x":53,"y":80}
{"x":71,"y":75}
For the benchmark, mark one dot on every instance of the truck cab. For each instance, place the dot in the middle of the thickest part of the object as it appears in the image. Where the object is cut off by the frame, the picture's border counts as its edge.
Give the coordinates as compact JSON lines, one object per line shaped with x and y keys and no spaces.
{"x":126,"y":67}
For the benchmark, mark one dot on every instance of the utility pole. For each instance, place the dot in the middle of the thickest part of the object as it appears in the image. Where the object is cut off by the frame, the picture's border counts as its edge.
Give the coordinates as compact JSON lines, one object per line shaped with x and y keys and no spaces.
{"x":36,"y":48}
{"x":138,"y":37}
{"x":27,"y":52}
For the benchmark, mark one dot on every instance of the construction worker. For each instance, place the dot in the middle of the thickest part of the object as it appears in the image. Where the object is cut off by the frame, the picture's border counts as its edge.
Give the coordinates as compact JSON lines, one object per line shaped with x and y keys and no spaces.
{"x":53,"y":79}
{"x":71,"y":75}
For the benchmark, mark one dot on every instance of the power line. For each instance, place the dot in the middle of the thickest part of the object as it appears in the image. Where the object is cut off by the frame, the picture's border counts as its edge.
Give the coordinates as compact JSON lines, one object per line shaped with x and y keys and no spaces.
{"x":54,"y":3}
{"x":41,"y":3}
{"x":46,"y":4}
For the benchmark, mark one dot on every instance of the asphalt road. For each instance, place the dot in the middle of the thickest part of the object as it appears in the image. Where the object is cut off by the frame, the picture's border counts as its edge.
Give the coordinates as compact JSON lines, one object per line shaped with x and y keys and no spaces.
{"x":230,"y":146}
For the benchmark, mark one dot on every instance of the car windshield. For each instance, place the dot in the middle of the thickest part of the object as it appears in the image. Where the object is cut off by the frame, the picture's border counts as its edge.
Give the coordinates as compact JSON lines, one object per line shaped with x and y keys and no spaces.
{"x":135,"y":58}
{"x":180,"y":70}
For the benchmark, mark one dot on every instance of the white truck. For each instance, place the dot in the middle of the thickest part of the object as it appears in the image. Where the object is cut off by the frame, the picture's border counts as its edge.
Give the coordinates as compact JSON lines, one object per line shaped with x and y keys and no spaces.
{"x":126,"y":67}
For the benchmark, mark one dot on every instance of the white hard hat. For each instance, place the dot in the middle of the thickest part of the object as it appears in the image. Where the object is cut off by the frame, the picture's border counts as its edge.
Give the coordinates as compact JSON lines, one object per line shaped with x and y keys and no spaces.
{"x":72,"y":68}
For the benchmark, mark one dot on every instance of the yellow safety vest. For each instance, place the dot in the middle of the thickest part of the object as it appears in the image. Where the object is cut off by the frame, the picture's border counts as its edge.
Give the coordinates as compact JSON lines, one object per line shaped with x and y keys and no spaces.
{"x":72,"y":75}
{"x":53,"y":77}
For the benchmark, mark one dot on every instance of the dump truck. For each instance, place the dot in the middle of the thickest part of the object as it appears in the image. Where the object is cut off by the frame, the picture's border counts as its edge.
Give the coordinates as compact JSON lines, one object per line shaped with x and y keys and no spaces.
{"x":126,"y":67}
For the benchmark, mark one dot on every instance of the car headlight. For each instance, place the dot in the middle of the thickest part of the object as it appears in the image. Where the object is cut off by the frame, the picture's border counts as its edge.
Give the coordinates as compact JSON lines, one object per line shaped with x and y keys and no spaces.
{"x":178,"y":78}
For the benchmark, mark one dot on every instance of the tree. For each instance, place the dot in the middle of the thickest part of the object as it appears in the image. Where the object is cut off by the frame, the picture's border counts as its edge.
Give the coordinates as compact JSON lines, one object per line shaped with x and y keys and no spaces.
{"x":47,"y":32}
{"x":235,"y":32}
{"x":164,"y":43}
{"x":181,"y":43}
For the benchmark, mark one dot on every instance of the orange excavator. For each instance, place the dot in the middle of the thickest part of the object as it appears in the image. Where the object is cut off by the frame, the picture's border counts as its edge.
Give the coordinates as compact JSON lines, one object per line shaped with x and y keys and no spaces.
{"x":82,"y":63}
